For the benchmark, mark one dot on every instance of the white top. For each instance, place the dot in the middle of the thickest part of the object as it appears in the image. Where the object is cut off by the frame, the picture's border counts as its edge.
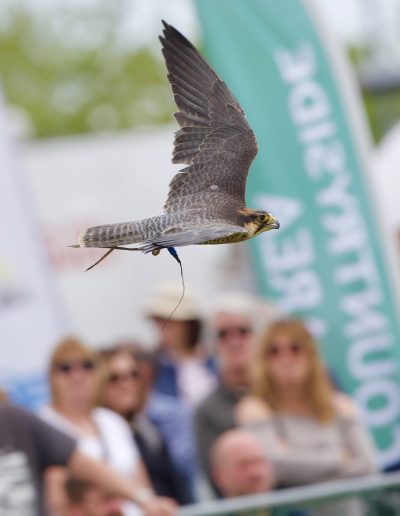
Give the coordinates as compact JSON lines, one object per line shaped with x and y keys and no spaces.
{"x":114,"y":443}
{"x":195,"y":381}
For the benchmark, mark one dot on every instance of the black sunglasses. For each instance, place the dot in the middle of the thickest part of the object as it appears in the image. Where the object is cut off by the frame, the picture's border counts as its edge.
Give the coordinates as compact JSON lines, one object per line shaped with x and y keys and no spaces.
{"x":223,"y":333}
{"x":293,"y":349}
{"x":118,"y":377}
{"x":67,"y":367}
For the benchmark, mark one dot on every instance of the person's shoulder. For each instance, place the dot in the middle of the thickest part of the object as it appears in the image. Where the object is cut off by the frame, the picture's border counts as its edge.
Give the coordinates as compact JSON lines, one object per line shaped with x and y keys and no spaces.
{"x":105,"y":416}
{"x":29,"y":422}
{"x":207,"y":408}
{"x":9,"y":411}
{"x":19,"y":415}
{"x":6,"y":408}
{"x":252,"y":409}
{"x":344,"y":406}
{"x":210,"y":400}
{"x":47,"y":413}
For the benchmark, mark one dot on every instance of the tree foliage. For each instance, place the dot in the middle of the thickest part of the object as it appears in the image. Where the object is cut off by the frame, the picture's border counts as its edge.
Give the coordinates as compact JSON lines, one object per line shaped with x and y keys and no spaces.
{"x":382,"y":105}
{"x":69,"y":71}
{"x":66,"y":67}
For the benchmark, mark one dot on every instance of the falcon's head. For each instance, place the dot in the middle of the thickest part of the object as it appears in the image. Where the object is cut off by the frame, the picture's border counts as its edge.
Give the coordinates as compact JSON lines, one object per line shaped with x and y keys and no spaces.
{"x":258,"y":221}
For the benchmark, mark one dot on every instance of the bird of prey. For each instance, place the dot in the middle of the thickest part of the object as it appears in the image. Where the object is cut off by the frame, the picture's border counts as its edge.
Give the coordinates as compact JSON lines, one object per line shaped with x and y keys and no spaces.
{"x":206,"y":199}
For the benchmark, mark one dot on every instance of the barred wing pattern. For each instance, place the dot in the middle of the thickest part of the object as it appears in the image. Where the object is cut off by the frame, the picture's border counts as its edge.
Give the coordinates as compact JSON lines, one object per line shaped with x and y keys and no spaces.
{"x":215,"y":139}
{"x":206,"y":200}
{"x":201,"y":233}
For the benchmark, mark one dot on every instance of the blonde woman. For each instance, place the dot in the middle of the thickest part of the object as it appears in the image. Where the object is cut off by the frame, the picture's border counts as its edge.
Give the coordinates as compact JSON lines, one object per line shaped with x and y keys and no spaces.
{"x":126,"y":390}
{"x":74,"y":378}
{"x":310,"y":432}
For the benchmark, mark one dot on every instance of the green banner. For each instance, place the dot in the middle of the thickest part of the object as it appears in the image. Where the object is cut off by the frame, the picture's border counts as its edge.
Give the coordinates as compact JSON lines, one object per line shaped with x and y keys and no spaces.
{"x":325,"y":264}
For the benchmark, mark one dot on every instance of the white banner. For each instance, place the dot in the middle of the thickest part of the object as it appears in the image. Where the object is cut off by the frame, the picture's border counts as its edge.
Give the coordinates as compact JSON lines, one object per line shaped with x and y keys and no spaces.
{"x":30,"y":315}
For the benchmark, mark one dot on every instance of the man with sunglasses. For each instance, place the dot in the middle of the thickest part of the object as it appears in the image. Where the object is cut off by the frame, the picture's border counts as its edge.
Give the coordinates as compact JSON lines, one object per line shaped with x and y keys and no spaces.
{"x":235,"y":321}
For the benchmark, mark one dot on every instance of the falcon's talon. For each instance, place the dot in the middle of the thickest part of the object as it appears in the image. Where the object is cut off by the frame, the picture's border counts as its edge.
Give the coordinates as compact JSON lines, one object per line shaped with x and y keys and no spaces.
{"x":206,"y":200}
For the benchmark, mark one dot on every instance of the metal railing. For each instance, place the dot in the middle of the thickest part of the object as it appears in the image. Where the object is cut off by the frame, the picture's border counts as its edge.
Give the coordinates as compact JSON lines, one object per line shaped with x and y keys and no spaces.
{"x":380,"y":495}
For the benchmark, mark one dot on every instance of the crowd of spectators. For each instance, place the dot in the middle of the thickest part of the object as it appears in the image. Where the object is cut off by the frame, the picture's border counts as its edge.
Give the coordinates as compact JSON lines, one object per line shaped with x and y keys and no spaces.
{"x":236,"y":403}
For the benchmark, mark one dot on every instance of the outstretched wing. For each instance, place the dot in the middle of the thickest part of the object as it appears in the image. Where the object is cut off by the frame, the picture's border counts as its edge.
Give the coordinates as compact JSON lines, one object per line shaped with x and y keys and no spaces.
{"x":215,"y":139}
{"x":196,"y":235}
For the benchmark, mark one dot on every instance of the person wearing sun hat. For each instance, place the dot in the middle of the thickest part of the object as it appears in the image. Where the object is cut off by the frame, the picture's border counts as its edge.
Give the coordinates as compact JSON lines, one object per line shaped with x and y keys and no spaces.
{"x":183,"y":369}
{"x":183,"y":373}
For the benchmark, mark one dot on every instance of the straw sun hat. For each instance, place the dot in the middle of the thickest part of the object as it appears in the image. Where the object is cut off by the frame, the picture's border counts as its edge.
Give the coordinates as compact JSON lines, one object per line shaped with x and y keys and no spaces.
{"x":164,"y":300}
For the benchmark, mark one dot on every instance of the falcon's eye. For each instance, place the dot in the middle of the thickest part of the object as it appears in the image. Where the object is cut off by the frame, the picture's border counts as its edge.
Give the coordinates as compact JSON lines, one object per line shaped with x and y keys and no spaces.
{"x":263,"y":217}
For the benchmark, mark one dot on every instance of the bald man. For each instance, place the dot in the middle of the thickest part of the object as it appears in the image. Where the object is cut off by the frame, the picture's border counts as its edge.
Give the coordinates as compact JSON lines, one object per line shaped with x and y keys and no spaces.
{"x":239,"y":464}
{"x":236,"y":320}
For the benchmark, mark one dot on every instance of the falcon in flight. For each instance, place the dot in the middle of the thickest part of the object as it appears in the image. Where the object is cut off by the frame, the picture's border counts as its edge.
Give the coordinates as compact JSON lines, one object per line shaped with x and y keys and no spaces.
{"x":206,"y":199}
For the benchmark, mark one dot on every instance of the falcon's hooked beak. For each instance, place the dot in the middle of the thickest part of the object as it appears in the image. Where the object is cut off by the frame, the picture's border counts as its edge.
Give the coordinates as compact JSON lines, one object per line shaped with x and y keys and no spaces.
{"x":269,"y":222}
{"x":274,"y":224}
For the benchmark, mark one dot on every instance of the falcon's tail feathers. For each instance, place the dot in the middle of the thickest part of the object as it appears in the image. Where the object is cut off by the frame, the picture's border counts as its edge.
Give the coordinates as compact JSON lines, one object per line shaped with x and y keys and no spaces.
{"x":112,"y":235}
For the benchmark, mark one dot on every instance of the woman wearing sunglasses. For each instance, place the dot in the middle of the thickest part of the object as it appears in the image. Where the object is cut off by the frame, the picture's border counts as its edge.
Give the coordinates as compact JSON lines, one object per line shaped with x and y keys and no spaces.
{"x":311,"y":432}
{"x":126,"y":388}
{"x":74,"y":378}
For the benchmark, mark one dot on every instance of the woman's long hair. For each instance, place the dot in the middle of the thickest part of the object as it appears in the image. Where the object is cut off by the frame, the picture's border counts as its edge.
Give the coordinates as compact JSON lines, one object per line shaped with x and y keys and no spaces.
{"x":317,"y":389}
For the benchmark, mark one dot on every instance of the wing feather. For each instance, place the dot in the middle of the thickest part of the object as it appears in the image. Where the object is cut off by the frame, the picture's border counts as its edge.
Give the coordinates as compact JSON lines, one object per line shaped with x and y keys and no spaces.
{"x":215,"y":139}
{"x":181,"y":237}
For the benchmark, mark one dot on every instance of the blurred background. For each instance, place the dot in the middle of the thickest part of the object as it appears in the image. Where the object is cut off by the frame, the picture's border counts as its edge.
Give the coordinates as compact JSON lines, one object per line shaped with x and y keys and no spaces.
{"x":87,"y":131}
{"x":73,"y":68}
